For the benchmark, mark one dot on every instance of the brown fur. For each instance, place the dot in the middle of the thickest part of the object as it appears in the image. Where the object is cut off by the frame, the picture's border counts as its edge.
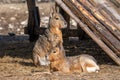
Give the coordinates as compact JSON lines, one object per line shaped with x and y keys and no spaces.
{"x":58,"y":62}
{"x":51,"y":38}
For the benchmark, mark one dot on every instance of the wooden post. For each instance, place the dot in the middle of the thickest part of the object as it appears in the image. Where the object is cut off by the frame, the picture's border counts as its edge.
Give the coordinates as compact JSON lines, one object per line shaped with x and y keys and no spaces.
{"x":33,"y":20}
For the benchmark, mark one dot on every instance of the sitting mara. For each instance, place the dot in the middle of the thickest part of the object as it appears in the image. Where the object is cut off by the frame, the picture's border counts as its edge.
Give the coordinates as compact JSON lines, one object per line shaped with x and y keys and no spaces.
{"x":51,"y":38}
{"x":83,"y":63}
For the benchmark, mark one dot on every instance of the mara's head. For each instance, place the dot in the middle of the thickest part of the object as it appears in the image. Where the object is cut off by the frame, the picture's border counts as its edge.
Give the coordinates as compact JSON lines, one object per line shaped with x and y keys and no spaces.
{"x":55,"y":55}
{"x":56,"y":19}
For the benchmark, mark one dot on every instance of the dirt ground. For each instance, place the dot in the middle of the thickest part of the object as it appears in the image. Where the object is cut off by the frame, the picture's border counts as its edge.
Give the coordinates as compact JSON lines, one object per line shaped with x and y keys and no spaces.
{"x":16,"y":51}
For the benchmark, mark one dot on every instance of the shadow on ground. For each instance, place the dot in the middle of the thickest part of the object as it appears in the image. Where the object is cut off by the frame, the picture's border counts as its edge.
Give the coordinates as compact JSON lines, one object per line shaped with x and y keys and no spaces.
{"x":20,"y":47}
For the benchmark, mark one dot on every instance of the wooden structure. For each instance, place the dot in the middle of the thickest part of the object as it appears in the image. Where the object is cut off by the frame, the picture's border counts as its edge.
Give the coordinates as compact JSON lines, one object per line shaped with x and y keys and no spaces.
{"x":100,"y":19}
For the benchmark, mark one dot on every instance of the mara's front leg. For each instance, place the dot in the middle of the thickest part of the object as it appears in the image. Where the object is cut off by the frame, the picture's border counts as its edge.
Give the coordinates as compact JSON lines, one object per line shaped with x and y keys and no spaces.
{"x":40,"y":60}
{"x":35,"y":59}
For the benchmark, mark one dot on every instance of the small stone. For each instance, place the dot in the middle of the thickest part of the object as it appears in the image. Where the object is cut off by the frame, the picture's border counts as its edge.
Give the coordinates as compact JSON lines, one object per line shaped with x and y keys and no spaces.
{"x":73,"y":22}
{"x":2,"y":18}
{"x":14,"y":8}
{"x":21,"y":33}
{"x":12,"y":18}
{"x":11,"y":26}
{"x":26,"y":12}
{"x":42,"y":13}
{"x":5,"y":22}
{"x":1,"y":28}
{"x":40,"y":8}
{"x":18,"y":29}
{"x":24,"y":22}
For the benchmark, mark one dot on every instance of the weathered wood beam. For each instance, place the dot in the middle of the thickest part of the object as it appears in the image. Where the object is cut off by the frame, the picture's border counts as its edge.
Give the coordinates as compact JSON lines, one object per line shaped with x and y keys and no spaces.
{"x":116,"y":3}
{"x":90,"y":33}
{"x":103,"y":18}
{"x":95,"y":25}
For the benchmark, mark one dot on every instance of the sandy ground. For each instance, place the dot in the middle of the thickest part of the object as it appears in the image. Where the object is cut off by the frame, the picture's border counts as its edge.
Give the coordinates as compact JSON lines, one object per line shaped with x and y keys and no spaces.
{"x":16,"y":51}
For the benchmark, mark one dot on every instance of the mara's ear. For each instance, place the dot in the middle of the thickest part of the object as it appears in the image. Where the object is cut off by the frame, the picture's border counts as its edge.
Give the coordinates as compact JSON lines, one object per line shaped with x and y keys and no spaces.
{"x":52,"y":11}
{"x":57,"y":9}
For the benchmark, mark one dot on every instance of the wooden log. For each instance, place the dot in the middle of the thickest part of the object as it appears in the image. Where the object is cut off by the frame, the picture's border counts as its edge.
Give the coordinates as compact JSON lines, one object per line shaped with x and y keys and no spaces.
{"x":101,"y":17}
{"x":97,"y":27}
{"x":116,"y":3}
{"x":90,"y":33}
{"x":110,"y":10}
{"x":102,"y":20}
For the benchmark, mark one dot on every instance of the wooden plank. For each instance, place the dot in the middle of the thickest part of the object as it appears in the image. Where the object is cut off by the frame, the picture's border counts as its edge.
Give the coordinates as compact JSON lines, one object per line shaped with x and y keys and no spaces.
{"x":99,"y":29}
{"x":109,"y":8}
{"x":116,"y":3}
{"x":90,"y":33}
{"x":101,"y":17}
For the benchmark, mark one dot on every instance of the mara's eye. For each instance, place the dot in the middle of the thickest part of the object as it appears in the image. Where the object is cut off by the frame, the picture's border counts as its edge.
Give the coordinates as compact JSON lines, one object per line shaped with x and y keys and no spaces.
{"x":57,"y":18}
{"x":54,"y":51}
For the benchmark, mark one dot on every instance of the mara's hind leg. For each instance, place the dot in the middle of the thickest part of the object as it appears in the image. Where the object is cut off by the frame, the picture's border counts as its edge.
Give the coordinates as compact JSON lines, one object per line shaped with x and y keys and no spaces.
{"x":86,"y":66}
{"x":83,"y":65}
{"x":91,"y":67}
